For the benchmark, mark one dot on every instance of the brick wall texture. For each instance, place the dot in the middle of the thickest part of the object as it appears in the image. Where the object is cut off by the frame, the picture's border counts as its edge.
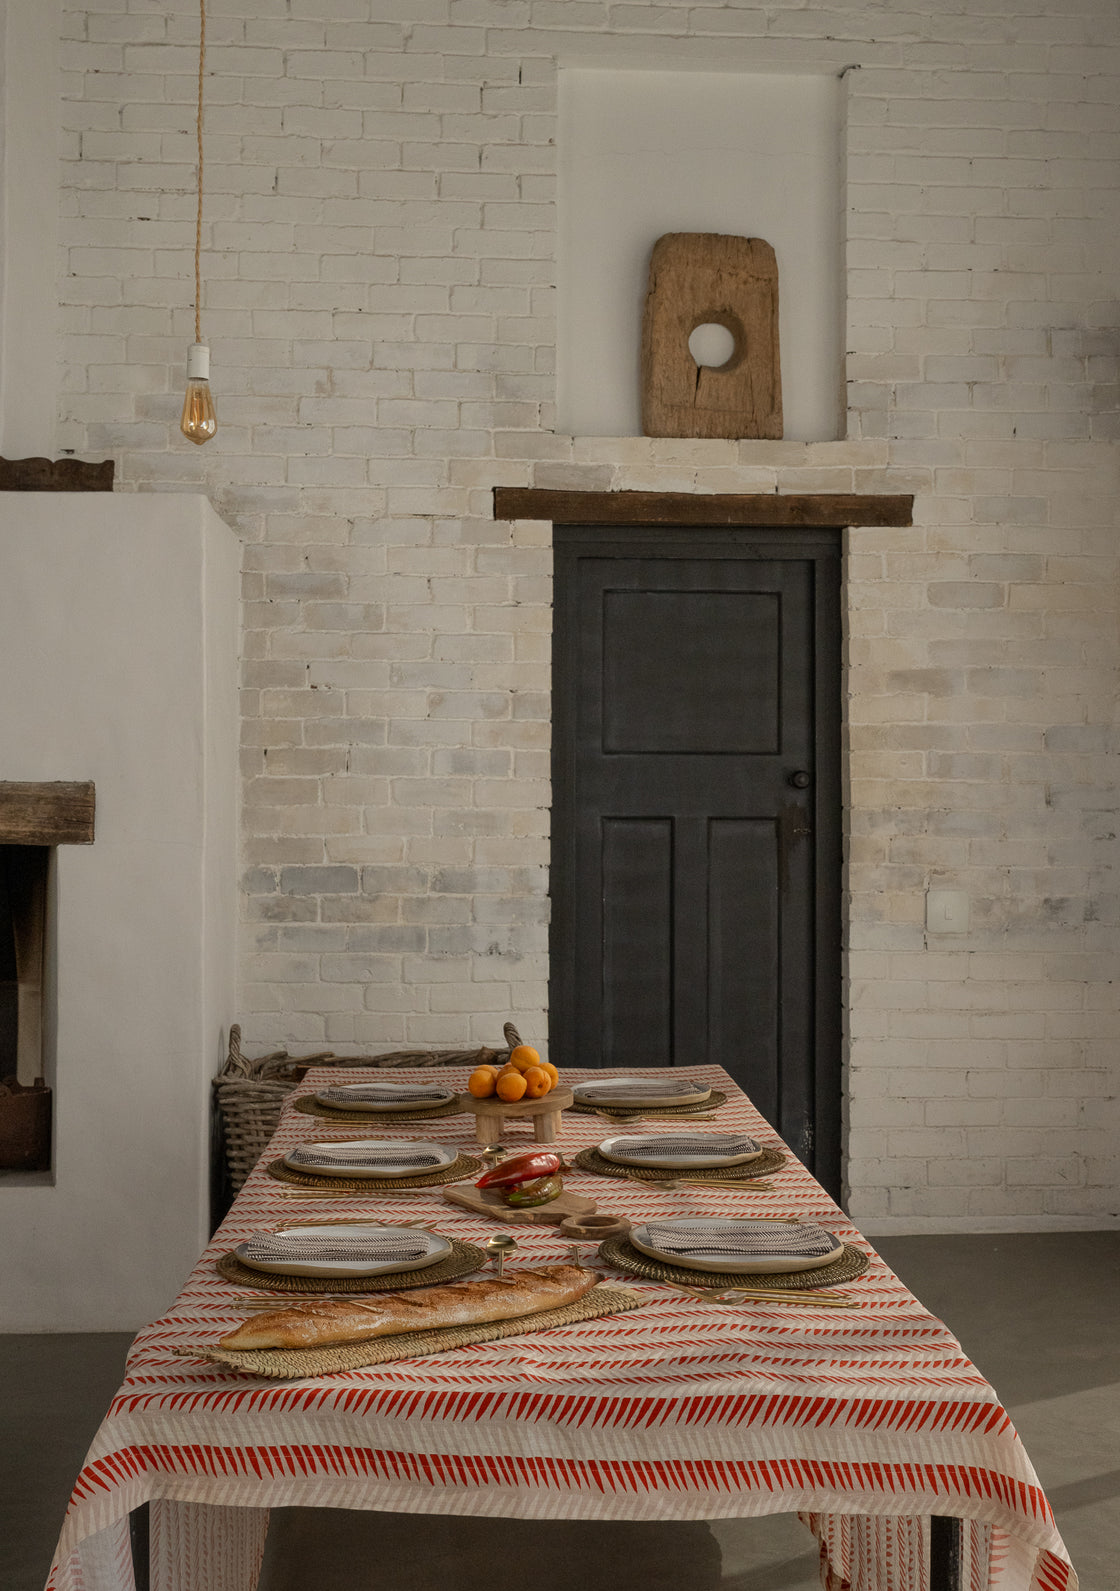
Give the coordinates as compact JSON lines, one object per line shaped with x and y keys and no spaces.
{"x":379,"y":260}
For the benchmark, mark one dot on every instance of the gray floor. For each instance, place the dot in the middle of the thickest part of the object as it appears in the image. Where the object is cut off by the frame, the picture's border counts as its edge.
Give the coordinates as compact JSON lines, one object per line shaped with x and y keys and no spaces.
{"x":1037,"y":1314}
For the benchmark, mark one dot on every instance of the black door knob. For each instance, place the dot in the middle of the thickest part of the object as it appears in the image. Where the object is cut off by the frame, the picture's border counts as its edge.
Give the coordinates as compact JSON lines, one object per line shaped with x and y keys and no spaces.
{"x":800,"y":780}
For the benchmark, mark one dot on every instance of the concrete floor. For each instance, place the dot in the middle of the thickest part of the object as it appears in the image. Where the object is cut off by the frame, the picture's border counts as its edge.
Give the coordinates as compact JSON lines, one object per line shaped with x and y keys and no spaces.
{"x":1037,"y":1313}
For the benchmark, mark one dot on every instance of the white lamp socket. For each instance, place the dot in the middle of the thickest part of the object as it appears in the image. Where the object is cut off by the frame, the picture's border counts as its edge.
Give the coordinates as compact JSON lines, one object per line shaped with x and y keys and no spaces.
{"x":198,"y":362}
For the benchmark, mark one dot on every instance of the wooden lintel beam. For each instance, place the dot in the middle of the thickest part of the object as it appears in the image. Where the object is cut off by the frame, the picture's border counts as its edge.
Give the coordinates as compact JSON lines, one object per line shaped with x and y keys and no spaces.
{"x":55,"y":475}
{"x":774,"y":510}
{"x":57,"y":813}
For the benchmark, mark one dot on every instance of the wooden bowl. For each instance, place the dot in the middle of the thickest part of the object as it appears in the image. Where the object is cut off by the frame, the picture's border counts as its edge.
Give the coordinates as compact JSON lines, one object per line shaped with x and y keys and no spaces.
{"x":592,"y":1228}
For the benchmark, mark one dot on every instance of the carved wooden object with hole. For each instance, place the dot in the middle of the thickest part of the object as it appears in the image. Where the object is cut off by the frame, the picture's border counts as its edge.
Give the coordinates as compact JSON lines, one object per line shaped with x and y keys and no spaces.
{"x":697,"y":279}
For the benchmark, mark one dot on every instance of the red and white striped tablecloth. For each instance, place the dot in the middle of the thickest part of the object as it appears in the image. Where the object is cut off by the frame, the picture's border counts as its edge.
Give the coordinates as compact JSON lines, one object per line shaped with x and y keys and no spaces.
{"x":865,"y":1422}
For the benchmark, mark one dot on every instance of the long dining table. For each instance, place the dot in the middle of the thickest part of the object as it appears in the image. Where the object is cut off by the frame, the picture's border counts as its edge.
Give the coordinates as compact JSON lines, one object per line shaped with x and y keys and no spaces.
{"x":867,"y":1422}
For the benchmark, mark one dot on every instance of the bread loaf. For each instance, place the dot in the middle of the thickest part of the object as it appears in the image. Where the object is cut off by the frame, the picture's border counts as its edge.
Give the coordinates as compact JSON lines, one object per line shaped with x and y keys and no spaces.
{"x":315,"y":1325}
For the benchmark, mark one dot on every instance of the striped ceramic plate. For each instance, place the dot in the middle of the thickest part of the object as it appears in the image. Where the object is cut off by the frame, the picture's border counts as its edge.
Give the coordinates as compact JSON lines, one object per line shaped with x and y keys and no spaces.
{"x":371,"y":1157}
{"x":742,"y":1247}
{"x":341,"y":1251}
{"x":639,"y":1091}
{"x":385,"y":1096}
{"x":681,"y":1151}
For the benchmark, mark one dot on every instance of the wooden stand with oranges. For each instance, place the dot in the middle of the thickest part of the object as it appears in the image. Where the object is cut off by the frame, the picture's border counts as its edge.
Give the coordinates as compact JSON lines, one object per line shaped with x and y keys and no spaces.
{"x":525,"y":1087}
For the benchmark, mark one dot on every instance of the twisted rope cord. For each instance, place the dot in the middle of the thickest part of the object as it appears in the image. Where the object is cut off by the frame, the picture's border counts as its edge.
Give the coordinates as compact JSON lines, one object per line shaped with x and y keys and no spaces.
{"x":198,"y":220}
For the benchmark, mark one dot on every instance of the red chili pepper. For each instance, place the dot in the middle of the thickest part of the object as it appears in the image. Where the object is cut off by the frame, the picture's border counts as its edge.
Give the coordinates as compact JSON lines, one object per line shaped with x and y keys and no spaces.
{"x":522,"y":1168}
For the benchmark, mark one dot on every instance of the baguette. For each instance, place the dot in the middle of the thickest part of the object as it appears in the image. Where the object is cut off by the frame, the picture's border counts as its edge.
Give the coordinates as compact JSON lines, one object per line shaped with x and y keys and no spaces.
{"x":317,"y":1325}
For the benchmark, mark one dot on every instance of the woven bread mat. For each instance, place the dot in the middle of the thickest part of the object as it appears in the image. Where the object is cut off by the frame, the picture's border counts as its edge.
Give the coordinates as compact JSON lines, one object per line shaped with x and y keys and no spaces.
{"x":310,"y":1106}
{"x":713,"y":1101}
{"x":619,"y":1252}
{"x":463,"y":1259}
{"x":292,"y":1363}
{"x":599,"y":1166}
{"x":458,"y":1171}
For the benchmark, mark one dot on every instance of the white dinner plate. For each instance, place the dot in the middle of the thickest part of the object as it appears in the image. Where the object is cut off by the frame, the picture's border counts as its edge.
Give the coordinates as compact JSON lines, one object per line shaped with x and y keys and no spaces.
{"x":341,"y":1251}
{"x":748,"y":1247}
{"x":638,"y":1091}
{"x":371,"y":1157}
{"x":681,"y":1151}
{"x":385,"y":1096}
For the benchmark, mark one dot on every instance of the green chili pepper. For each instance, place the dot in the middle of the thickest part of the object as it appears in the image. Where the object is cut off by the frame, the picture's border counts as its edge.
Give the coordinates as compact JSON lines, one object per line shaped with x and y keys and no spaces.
{"x":542,"y":1191}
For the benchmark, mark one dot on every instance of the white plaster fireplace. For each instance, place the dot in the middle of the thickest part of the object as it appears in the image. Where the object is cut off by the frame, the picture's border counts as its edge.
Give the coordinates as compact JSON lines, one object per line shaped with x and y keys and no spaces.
{"x":118,"y":662}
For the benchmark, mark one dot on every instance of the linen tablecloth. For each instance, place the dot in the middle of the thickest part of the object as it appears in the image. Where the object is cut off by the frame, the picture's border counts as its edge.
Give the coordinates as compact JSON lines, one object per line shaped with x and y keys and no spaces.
{"x":864,"y":1421}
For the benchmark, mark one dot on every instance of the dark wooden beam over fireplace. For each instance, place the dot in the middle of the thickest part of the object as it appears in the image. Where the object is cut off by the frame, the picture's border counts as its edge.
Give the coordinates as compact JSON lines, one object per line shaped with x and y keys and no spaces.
{"x":55,"y":813}
{"x":792,"y":510}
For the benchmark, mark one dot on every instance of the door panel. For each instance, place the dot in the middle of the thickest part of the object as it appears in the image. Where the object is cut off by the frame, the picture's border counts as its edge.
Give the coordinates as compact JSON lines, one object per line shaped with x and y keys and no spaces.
{"x":695,"y":882}
{"x":690,"y":671}
{"x":744,"y":950}
{"x":637,"y":940}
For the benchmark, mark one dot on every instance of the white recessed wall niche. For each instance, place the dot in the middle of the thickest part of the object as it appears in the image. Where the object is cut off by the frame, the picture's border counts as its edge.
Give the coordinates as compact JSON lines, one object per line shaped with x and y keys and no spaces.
{"x":645,"y":153}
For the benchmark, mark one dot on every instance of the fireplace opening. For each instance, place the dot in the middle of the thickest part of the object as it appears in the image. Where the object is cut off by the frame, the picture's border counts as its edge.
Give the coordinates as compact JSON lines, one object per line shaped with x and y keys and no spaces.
{"x":25,"y":1099}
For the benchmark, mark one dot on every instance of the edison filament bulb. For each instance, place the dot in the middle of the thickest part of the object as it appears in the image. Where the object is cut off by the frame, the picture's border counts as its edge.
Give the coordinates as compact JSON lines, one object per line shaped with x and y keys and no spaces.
{"x":198,"y":422}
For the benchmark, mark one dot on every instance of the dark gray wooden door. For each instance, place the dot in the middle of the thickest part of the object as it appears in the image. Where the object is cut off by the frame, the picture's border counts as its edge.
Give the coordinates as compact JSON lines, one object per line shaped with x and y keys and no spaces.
{"x":696,"y":810}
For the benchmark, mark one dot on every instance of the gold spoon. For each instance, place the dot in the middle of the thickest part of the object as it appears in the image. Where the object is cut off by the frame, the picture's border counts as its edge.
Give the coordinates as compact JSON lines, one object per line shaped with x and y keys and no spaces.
{"x":499,"y":1246}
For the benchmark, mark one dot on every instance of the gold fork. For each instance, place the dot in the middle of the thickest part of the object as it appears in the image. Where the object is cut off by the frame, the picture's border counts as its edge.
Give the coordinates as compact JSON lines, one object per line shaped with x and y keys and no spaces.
{"x":310,"y":1194}
{"x":349,"y":1220}
{"x":637,"y":1115}
{"x":758,"y":1295}
{"x":758,"y":1184}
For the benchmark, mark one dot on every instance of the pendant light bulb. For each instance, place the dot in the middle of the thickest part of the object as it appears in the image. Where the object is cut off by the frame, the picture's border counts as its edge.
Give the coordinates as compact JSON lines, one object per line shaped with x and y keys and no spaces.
{"x":198,"y":422}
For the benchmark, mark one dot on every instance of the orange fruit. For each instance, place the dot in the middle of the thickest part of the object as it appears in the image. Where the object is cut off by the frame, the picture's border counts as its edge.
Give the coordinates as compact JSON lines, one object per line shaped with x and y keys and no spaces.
{"x":482,"y":1081}
{"x":510,"y":1086}
{"x":524,"y":1056}
{"x":537,"y":1082}
{"x":553,"y":1074}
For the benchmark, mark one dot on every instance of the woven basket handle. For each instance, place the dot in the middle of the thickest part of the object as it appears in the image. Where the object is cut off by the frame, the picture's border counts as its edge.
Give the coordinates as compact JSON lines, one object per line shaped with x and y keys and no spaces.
{"x":236,"y":1063}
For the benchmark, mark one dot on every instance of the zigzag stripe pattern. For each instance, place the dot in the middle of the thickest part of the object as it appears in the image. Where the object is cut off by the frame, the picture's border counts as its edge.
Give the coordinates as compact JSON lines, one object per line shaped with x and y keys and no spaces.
{"x":949,"y":1481}
{"x":677,"y":1410}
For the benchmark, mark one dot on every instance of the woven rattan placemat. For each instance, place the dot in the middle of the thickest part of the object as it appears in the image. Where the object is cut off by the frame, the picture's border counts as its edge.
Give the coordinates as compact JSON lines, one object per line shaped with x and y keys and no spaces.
{"x":599,"y":1166}
{"x":626,"y":1112}
{"x":458,"y":1171}
{"x":607,"y":1299}
{"x":620,"y":1252}
{"x":463,"y":1259}
{"x":310,"y":1106}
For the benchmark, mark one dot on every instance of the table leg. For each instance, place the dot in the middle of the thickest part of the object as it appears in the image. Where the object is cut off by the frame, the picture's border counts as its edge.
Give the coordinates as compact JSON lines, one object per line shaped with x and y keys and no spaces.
{"x":944,"y":1554}
{"x":202,"y":1547}
{"x":140,"y":1539}
{"x":546,"y":1128}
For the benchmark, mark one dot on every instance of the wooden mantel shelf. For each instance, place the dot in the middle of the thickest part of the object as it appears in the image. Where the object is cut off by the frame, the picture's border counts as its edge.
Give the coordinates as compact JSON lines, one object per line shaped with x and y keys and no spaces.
{"x":774,"y":510}
{"x":58,"y":813}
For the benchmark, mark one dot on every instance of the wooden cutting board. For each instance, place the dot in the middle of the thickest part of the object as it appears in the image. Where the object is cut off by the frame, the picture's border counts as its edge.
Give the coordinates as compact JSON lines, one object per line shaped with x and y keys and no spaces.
{"x":481,"y":1201}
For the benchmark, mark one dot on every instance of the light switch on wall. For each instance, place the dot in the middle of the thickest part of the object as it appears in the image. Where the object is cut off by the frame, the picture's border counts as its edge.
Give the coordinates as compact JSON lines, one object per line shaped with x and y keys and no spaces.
{"x":946,"y":911}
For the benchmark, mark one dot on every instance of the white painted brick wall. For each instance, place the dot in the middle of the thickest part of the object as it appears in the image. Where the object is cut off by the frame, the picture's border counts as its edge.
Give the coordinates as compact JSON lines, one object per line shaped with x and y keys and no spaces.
{"x":379,"y":247}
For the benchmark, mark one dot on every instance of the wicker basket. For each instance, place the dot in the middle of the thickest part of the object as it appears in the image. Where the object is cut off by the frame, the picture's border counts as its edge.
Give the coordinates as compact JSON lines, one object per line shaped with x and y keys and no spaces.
{"x":251,"y":1094}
